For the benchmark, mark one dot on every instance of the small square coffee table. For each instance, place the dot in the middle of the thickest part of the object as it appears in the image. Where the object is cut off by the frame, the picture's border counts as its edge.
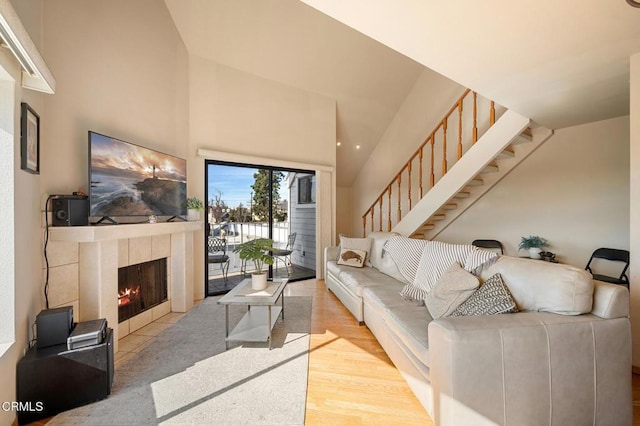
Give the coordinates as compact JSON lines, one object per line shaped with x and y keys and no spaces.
{"x":262,"y":311}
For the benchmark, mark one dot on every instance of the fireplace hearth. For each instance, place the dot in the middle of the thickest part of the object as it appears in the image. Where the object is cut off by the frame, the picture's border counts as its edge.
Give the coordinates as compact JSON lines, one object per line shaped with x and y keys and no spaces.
{"x":141,"y":287}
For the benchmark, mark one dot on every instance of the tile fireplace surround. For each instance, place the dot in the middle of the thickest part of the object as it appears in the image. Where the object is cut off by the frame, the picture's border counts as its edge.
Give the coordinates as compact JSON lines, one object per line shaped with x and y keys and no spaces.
{"x":84,"y":262}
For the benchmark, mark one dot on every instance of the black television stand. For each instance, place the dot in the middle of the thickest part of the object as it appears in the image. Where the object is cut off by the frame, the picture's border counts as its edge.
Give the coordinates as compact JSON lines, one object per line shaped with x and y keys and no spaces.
{"x":106,"y":219}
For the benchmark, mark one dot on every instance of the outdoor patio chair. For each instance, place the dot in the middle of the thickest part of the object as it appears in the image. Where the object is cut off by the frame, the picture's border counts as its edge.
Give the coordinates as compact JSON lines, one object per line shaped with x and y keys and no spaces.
{"x":285,"y":254}
{"x":217,"y":248}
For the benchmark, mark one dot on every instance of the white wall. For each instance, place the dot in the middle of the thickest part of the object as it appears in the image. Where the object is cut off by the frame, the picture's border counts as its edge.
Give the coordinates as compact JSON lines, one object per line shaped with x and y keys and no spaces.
{"x":119,"y":69}
{"x":573,"y":191}
{"x":634,"y":195}
{"x":237,"y":112}
{"x":343,"y":222}
{"x":430,"y":98}
{"x":241,"y":114}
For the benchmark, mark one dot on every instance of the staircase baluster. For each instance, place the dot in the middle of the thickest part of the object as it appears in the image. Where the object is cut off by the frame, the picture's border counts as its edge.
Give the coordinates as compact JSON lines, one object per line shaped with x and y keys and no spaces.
{"x":420,"y":177}
{"x":399,"y":197}
{"x":432,"y":180}
{"x":460,"y":129}
{"x":372,"y":210}
{"x":380,"y":199}
{"x":389,"y":220}
{"x":492,"y":114}
{"x":409,"y":184}
{"x":475,"y":117}
{"x":444,"y":147}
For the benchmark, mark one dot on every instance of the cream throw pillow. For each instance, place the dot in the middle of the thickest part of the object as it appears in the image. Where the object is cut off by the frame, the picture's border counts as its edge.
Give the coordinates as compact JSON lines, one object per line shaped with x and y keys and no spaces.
{"x":453,"y":288}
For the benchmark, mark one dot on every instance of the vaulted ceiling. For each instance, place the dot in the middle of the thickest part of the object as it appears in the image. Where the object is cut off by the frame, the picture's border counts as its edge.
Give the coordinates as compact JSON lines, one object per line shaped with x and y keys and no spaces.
{"x":294,"y":44}
{"x":560,"y":63}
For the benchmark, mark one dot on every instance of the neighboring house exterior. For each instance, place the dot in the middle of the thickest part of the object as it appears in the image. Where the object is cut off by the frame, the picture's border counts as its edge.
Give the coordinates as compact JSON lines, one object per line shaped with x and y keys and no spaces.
{"x":302,"y":218}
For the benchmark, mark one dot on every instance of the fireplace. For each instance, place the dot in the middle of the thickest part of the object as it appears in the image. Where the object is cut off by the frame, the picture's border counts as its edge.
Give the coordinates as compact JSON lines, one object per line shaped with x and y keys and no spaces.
{"x":141,"y":287}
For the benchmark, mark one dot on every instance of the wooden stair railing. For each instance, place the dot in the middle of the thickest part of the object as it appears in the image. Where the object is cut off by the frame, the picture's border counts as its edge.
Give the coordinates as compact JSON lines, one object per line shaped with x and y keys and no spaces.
{"x":400,"y":199}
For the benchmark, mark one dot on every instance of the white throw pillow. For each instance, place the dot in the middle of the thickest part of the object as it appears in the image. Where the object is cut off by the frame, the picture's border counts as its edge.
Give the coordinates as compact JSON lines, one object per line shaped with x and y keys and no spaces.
{"x":379,"y":259}
{"x":453,"y":288}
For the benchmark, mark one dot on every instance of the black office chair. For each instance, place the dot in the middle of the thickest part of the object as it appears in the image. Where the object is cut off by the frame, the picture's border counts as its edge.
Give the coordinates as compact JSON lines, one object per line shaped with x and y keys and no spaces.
{"x":614,"y":255}
{"x":489,"y":244}
{"x":217,"y":248}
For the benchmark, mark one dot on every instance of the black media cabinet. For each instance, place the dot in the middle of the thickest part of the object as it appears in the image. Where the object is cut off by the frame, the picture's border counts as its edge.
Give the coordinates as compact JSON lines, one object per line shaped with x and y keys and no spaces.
{"x":53,"y":379}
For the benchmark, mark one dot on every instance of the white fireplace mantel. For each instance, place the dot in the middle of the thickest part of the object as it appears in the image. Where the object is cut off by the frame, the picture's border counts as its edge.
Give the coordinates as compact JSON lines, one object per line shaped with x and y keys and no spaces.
{"x":86,"y":234}
{"x":100,"y":256}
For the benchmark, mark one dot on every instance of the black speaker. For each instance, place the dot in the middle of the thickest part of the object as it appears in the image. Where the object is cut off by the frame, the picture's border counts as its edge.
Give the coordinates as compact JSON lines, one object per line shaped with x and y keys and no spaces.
{"x":54,"y":326}
{"x":70,"y":210}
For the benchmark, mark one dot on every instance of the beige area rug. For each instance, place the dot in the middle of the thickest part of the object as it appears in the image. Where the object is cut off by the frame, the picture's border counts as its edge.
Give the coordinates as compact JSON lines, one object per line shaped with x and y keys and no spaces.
{"x":186,"y":377}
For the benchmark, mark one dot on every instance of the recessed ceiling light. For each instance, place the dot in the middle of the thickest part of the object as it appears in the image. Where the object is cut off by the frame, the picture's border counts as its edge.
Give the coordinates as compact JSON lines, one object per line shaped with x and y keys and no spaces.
{"x":338,"y":143}
{"x":357,"y":146}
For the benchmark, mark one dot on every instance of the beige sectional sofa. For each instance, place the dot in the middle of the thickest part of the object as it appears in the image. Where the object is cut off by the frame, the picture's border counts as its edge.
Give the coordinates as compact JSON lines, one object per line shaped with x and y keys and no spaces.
{"x":564,"y":359}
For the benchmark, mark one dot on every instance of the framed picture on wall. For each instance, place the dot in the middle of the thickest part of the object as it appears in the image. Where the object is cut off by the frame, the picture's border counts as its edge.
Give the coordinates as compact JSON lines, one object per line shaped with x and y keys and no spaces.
{"x":30,"y":140}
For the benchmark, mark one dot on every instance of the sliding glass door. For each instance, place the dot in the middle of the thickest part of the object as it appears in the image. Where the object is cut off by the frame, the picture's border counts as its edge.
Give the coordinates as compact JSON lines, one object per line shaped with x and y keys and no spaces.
{"x":245,"y":202}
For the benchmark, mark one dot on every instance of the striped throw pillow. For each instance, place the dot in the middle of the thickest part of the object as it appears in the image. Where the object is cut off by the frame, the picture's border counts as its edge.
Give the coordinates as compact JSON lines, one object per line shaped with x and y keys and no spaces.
{"x":493,"y":297}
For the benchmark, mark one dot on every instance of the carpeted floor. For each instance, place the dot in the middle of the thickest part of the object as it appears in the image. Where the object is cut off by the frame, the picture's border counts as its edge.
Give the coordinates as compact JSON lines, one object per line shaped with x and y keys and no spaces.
{"x":186,"y":377}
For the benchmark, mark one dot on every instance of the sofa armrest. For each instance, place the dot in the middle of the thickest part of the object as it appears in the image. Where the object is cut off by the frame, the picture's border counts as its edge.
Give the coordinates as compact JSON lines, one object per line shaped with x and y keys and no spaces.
{"x":610,"y":300}
{"x":330,"y":253}
{"x":531,"y":367}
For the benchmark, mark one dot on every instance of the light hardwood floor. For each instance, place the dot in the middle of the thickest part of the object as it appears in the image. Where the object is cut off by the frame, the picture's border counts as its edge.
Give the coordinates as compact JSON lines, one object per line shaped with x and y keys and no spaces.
{"x":351,"y":379}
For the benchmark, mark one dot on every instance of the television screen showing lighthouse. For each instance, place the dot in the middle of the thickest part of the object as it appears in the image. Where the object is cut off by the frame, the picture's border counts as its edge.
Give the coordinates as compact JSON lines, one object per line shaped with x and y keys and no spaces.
{"x":130,"y":180}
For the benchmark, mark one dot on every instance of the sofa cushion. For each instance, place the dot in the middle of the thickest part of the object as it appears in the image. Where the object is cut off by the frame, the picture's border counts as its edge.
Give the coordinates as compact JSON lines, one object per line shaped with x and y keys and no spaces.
{"x":381,"y":261}
{"x":454,"y":287}
{"x":491,"y":298}
{"x":542,"y":286}
{"x":355,"y":279}
{"x":408,"y":322}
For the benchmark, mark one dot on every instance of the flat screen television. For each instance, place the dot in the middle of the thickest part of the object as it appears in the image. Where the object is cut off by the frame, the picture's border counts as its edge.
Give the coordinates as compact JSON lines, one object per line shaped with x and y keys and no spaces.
{"x":130,"y":180}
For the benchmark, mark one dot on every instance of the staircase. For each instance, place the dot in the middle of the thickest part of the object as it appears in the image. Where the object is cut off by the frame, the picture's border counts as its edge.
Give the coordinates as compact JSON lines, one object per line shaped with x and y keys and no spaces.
{"x":504,"y":144}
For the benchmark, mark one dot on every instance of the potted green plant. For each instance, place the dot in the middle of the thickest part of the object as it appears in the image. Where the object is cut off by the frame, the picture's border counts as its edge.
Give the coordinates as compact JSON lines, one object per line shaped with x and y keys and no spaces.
{"x":259,"y":251}
{"x":534,"y":244}
{"x":194,"y":207}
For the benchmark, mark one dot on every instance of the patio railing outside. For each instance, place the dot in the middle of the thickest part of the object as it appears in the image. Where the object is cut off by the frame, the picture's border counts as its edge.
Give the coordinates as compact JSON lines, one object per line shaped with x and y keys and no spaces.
{"x":239,"y":232}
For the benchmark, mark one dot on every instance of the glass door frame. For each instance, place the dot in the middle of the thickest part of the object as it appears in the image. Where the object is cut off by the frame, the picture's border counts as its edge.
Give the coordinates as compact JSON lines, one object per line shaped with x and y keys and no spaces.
{"x":271,"y":170}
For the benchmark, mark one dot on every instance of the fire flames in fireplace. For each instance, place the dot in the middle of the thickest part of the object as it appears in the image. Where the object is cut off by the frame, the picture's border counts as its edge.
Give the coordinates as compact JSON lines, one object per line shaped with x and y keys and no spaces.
{"x":128,"y":295}
{"x":140,"y":287}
